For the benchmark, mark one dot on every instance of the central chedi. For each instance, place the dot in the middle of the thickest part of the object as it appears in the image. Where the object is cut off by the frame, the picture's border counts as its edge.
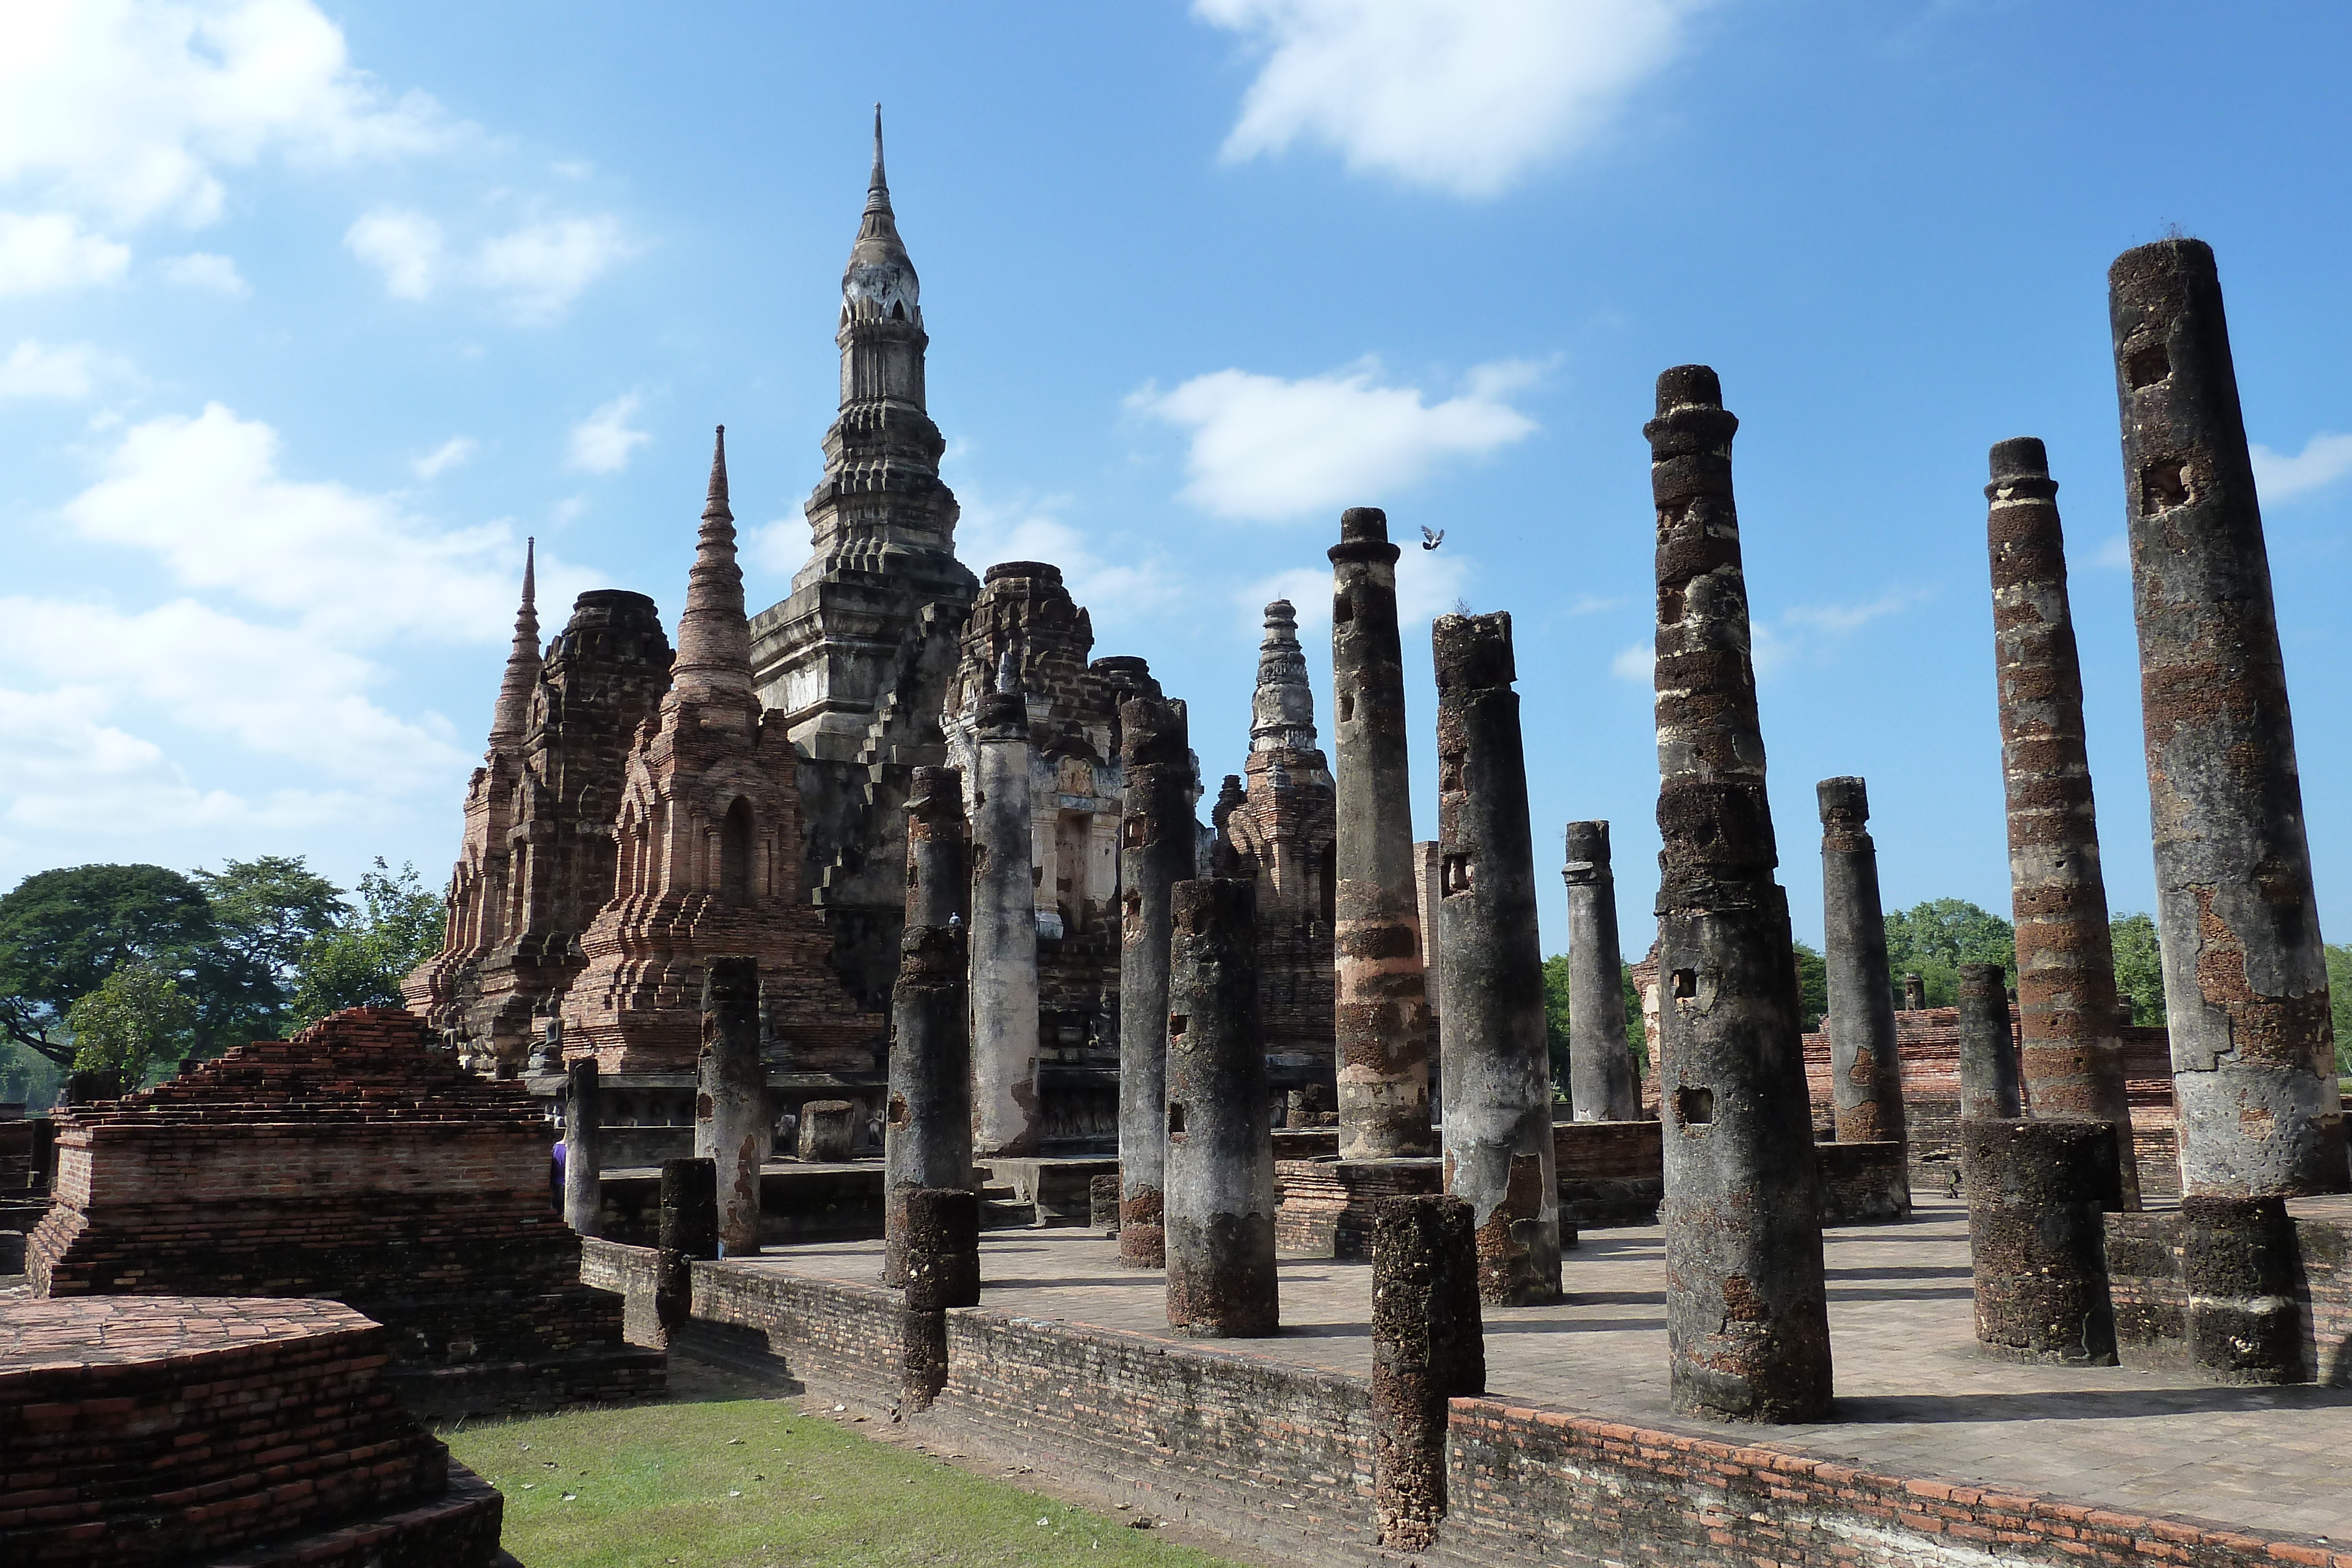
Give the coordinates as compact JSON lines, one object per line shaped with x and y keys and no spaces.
{"x":707,"y":839}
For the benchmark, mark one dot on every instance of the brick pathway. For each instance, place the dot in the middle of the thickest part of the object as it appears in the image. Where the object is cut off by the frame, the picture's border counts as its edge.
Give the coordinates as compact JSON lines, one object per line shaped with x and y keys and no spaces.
{"x":1916,"y":1397}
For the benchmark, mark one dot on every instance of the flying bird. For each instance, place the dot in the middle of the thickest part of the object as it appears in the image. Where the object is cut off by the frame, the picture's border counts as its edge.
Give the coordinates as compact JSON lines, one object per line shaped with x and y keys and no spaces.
{"x":1430,"y":541}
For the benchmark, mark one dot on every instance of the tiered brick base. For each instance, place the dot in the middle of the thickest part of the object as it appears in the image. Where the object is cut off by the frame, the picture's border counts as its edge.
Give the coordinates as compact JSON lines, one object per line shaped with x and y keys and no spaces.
{"x":161,"y":1430}
{"x":1326,"y":1205}
{"x":350,"y":1162}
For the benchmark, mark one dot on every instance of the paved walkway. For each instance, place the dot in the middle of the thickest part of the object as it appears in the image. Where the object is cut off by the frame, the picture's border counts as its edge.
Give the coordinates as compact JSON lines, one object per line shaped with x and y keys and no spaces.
{"x":1915,"y":1397}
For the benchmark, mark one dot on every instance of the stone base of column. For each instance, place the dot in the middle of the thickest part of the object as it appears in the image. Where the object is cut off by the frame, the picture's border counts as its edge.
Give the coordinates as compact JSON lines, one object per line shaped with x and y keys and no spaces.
{"x":1102,"y":1204}
{"x":1428,"y":1346}
{"x":2243,"y":1264}
{"x":1142,"y":1236}
{"x":2037,"y":1237}
{"x":942,"y":1271}
{"x":1328,"y":1204}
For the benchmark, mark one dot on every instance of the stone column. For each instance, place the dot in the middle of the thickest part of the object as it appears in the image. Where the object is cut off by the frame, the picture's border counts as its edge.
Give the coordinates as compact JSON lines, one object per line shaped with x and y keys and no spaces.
{"x":1866,"y":1066}
{"x":1156,"y":852}
{"x":1221,"y":1188}
{"x":1428,"y":1346}
{"x":733,"y":1102}
{"x":1496,"y":1065}
{"x":942,"y":1244}
{"x":1381,"y":1014}
{"x":2072,"y":1061}
{"x":583,"y":1169}
{"x":1003,"y":936}
{"x":2037,"y":1237}
{"x":2245,"y":980}
{"x":1746,"y":1317}
{"x":939,"y":886}
{"x":1602,"y":1085}
{"x":927,"y":1129}
{"x":1987,"y":1055}
{"x":1914,"y":994}
{"x":688,"y":1230}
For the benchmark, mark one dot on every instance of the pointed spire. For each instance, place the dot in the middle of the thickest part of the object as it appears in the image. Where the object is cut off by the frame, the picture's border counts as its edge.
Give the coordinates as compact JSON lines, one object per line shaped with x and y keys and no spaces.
{"x":877,"y":189}
{"x":714,"y":640}
{"x":511,"y":719}
{"x":1282,"y":713}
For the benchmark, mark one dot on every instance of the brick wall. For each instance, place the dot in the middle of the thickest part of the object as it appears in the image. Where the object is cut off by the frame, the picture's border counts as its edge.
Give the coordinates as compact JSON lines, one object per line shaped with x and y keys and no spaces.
{"x":2151,"y":1297}
{"x":351,"y":1163}
{"x":161,"y":1430}
{"x":1611,"y":1172}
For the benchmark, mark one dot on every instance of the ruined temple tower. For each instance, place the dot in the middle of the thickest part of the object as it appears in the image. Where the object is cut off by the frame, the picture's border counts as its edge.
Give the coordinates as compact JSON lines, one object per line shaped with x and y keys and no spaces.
{"x":2073,"y":1061}
{"x":1282,"y":834}
{"x":536,"y":864}
{"x":2245,"y":978}
{"x":1381,"y":1008}
{"x":857,"y":660}
{"x":1747,"y":1310}
{"x":706,"y":835}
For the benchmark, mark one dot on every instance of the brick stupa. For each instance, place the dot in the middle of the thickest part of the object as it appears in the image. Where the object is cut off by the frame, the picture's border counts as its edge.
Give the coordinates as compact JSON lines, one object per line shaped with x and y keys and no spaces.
{"x":353,"y":1163}
{"x":710,"y":858}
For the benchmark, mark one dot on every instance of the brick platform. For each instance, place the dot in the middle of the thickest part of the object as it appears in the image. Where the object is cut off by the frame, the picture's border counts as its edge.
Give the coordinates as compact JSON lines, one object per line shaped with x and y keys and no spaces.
{"x":351,"y":1163}
{"x":1940,"y":1457}
{"x":162,"y":1430}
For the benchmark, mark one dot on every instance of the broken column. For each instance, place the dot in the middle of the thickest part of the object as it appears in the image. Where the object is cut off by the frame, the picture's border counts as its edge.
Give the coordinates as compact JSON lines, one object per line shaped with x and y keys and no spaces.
{"x":938,"y":884}
{"x":1988,"y":1056}
{"x":1494,"y":1057}
{"x":942,"y":1251}
{"x":2037,"y":1237}
{"x":2245,"y":979}
{"x":1428,"y":1346}
{"x":2073,"y":1061}
{"x":1602,"y":1085}
{"x":1220,"y":1192}
{"x":688,"y":1230}
{"x":731,"y":1109}
{"x":1003,"y":930}
{"x":1746,"y":1317}
{"x":926,"y":1130}
{"x":827,"y":1129}
{"x":1156,"y":852}
{"x":1914,"y":994}
{"x":584,"y":1168}
{"x":1382,"y":1013}
{"x":1866,"y":1067}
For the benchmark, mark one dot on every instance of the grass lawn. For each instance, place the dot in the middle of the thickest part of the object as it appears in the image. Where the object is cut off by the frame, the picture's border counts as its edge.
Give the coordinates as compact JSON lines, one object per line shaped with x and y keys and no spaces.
{"x":742,"y":1483}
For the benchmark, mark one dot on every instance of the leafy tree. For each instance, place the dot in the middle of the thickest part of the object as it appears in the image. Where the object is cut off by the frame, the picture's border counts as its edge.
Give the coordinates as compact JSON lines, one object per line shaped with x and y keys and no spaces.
{"x":63,"y":931}
{"x":267,"y":910}
{"x":27,"y":1078}
{"x":2139,"y":967}
{"x":137,"y":1019}
{"x":1933,"y":939}
{"x":360,"y":961}
{"x":1556,"y":994}
{"x":1812,"y":987}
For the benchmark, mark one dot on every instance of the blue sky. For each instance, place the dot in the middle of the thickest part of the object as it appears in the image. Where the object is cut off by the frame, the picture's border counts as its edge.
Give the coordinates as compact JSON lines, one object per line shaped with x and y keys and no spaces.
{"x":310,"y":312}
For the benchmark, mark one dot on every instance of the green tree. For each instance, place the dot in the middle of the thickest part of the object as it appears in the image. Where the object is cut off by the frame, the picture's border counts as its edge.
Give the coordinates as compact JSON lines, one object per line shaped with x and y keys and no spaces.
{"x":360,"y":961}
{"x":63,"y":931}
{"x":1933,"y":939}
{"x":1812,"y":987}
{"x":2139,"y":967}
{"x":136,"y":1020}
{"x":268,"y":911}
{"x":1556,"y":994}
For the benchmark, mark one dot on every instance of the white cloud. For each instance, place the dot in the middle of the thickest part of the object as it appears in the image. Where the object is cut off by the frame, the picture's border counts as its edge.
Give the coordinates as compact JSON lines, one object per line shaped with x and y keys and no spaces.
{"x":205,"y":496}
{"x":1594,"y":604}
{"x":1264,"y":448}
{"x":34,"y":368}
{"x":1637,"y":663}
{"x":2325,"y":458}
{"x":1807,"y":634}
{"x":1839,"y":619}
{"x":539,"y":268}
{"x":1134,"y":583}
{"x":44,"y":251}
{"x":404,"y":247}
{"x":536,"y":271}
{"x":131,"y":108}
{"x":202,"y":269}
{"x":2114,"y":553}
{"x":1428,"y":584}
{"x":278,"y":691}
{"x":1463,"y":99}
{"x":444,"y":457}
{"x":604,"y":442}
